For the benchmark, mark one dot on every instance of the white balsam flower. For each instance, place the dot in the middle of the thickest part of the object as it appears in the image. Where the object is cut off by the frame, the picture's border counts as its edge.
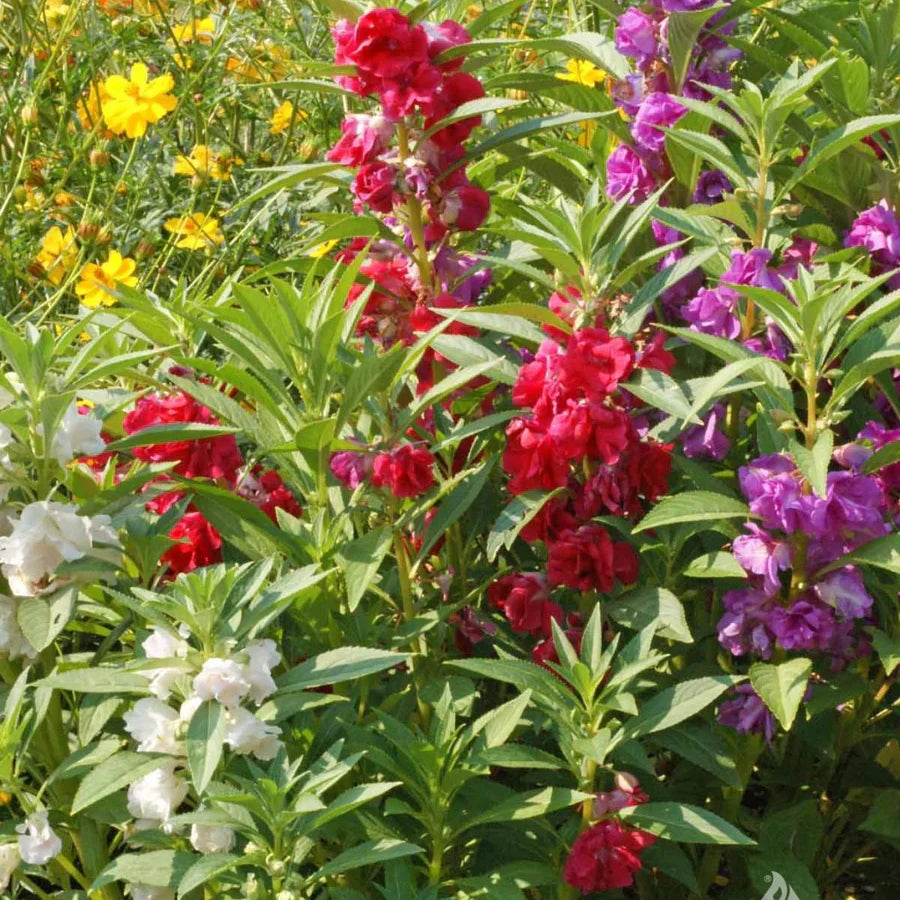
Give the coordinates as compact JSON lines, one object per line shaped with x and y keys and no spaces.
{"x":223,"y":680}
{"x":12,"y":642}
{"x":162,"y":644}
{"x":38,"y":842}
{"x":9,"y":860}
{"x":263,"y":657}
{"x":76,"y":435}
{"x":154,"y":798}
{"x":244,"y":733}
{"x":211,"y":838}
{"x":46,"y":534}
{"x":154,"y":726}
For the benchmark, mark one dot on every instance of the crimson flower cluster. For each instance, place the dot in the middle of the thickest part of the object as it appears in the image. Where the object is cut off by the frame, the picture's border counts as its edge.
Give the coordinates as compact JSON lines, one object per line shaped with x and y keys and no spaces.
{"x":410,"y":172}
{"x":606,"y":855}
{"x":579,"y":436}
{"x":218,"y":459}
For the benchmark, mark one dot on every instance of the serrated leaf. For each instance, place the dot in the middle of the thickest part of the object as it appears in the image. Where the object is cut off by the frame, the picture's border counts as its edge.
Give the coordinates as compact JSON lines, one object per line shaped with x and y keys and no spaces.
{"x":335,"y":666}
{"x":716,"y":564}
{"x":693,"y":506}
{"x":369,"y":853}
{"x":528,"y":806}
{"x":98,"y":681}
{"x":204,"y":869}
{"x":644,"y":606}
{"x":683,"y":822}
{"x":205,"y":736}
{"x":675,"y":704}
{"x":113,"y":774}
{"x":360,"y":559}
{"x":781,"y":687}
{"x":156,"y":868}
{"x":41,"y":619}
{"x":515,"y":516}
{"x":701,"y":746}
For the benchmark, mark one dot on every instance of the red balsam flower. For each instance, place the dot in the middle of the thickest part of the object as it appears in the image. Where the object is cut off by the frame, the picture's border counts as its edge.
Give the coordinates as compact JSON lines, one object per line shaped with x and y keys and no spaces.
{"x":406,"y":471}
{"x":606,"y":856}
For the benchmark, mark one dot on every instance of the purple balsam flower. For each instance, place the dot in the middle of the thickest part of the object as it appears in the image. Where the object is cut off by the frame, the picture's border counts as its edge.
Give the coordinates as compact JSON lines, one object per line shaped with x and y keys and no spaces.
{"x":844,"y":591}
{"x":747,"y":714}
{"x":626,"y":173}
{"x":707,"y":441}
{"x":744,"y":626}
{"x":753,"y":268}
{"x":878,"y":230}
{"x":807,"y":624}
{"x":713,"y":311}
{"x":636,"y":36}
{"x":658,"y":112}
{"x":761,"y":554}
{"x":712,"y":187}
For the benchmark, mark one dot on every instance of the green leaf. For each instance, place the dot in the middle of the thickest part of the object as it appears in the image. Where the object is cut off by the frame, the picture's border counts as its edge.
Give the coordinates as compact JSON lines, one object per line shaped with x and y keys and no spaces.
{"x":97,"y":681}
{"x":716,"y":564}
{"x":528,"y":806}
{"x":515,"y":516}
{"x":160,"y":434}
{"x":523,"y":674}
{"x":683,"y":822}
{"x":683,"y":30}
{"x":814,"y":463}
{"x":675,"y":704}
{"x":335,"y":666}
{"x":649,"y":605}
{"x":887,"y":648}
{"x":712,"y":150}
{"x":367,"y":854}
{"x":704,"y":748}
{"x":782,"y":687}
{"x":360,"y":559}
{"x":883,"y":553}
{"x":497,"y":726}
{"x":466,"y":351}
{"x":112,"y":774}
{"x":156,"y":868}
{"x":884,"y":456}
{"x":205,"y":736}
{"x":520,"y":756}
{"x":205,"y":868}
{"x":43,"y":618}
{"x":834,"y":142}
{"x":884,"y":816}
{"x":662,"y":392}
{"x":284,"y":177}
{"x":693,"y":506}
{"x":470,"y":109}
{"x":671,"y":860}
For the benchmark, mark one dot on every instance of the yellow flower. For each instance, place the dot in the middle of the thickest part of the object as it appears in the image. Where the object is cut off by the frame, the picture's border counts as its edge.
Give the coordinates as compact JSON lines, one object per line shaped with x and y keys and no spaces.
{"x":96,"y":283}
{"x":322,"y":249}
{"x":204,"y":162}
{"x":58,"y":253}
{"x":197,"y":231}
{"x":582,"y":72}
{"x":54,"y":12}
{"x":132,"y":104}
{"x":199,"y":31}
{"x":89,"y":106}
{"x":282,"y":117}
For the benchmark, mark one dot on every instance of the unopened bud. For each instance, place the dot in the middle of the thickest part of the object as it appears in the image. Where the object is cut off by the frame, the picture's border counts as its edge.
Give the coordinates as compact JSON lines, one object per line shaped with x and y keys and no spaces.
{"x":98,"y":158}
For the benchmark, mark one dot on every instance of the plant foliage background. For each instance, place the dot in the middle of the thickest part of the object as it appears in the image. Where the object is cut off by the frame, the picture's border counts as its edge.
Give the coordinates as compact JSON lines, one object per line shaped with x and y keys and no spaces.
{"x":449,"y":451}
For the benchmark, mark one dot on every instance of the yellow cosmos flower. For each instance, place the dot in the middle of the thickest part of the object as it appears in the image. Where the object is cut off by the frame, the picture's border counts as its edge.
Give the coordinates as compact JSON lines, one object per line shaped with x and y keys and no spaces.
{"x":198,"y":31}
{"x":204,"y":162}
{"x":197,"y":231}
{"x":322,"y":249}
{"x":89,"y":106}
{"x":132,"y":104}
{"x":283,"y":116}
{"x":54,"y":12}
{"x":97,"y":282}
{"x":58,"y":253}
{"x":582,"y":72}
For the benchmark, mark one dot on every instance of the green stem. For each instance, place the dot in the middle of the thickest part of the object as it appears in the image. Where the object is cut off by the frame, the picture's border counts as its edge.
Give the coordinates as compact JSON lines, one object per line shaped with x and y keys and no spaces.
{"x":414,"y":217}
